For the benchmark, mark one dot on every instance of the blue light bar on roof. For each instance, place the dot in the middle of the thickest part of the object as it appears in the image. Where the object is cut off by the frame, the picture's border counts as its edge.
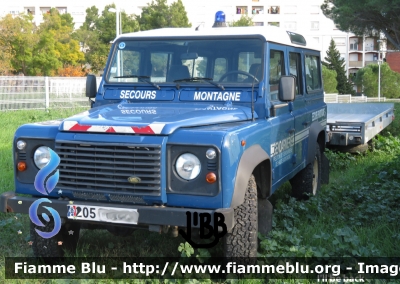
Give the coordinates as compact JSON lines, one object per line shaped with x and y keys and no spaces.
{"x":219,"y":20}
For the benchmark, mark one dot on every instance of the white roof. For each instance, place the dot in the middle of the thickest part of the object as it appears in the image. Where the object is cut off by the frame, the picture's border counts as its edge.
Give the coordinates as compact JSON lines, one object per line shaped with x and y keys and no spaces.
{"x":270,"y":33}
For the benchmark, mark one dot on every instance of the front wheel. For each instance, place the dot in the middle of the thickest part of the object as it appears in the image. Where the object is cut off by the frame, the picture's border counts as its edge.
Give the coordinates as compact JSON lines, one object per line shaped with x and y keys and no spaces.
{"x":308,"y":180}
{"x":242,"y":241}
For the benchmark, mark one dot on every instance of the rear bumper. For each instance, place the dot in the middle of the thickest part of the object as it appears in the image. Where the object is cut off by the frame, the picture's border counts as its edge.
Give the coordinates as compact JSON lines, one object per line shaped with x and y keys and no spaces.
{"x":148,"y":215}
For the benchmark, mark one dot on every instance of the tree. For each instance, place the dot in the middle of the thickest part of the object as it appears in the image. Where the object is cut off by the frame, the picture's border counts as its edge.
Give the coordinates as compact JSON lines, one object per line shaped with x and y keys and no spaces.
{"x":329,"y":79}
{"x":159,"y":15}
{"x":367,"y":77}
{"x":178,"y":16}
{"x":97,"y":32}
{"x":334,"y":62}
{"x":244,"y":21}
{"x":18,"y":36}
{"x":55,"y":48}
{"x":366,"y":17}
{"x":71,"y":71}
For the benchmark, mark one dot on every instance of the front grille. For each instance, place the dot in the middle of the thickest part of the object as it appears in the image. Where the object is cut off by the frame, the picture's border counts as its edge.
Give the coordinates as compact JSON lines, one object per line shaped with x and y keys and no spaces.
{"x":106,"y":167}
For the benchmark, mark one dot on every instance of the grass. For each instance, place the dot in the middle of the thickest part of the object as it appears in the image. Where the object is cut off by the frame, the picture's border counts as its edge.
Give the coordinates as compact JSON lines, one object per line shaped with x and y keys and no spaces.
{"x":355,"y":215}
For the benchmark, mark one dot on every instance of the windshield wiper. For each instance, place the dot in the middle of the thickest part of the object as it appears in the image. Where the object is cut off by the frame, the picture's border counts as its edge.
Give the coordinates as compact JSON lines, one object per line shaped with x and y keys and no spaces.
{"x":203,"y":79}
{"x":141,"y":78}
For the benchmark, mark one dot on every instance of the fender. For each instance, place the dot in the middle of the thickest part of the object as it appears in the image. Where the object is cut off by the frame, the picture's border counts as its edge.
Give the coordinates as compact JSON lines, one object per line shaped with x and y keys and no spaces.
{"x":251,"y":157}
{"x":315,"y":130}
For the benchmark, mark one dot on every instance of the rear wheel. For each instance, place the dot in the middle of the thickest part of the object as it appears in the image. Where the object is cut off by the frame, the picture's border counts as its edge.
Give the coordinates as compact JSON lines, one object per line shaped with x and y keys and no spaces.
{"x":242,"y":241}
{"x":308,"y":180}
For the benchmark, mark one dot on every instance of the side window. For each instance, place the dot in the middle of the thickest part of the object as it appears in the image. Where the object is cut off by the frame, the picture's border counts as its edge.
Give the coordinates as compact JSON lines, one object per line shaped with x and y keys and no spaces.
{"x":312,"y":69}
{"x":159,"y":66}
{"x":220,"y":68}
{"x":295,"y":69}
{"x":276,"y":69}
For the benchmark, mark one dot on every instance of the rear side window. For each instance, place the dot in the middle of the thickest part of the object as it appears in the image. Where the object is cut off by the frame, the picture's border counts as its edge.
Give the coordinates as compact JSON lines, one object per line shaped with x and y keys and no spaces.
{"x":312,"y":69}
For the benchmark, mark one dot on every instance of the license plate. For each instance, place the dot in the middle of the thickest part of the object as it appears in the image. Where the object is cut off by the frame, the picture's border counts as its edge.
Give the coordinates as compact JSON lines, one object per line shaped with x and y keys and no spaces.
{"x":103,"y":214}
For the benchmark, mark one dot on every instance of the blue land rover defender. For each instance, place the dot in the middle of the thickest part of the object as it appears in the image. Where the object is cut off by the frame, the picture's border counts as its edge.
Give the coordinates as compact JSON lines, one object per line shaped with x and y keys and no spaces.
{"x":184,"y":120}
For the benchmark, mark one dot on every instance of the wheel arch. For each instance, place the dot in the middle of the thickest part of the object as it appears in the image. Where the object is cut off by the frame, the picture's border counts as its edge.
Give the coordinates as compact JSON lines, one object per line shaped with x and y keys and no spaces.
{"x":316,"y":135}
{"x":255,"y":161}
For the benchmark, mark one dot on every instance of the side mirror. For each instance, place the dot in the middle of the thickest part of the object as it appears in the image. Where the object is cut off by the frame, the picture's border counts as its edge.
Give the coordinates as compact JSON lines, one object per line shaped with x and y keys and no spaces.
{"x":287,"y":88}
{"x":91,"y":86}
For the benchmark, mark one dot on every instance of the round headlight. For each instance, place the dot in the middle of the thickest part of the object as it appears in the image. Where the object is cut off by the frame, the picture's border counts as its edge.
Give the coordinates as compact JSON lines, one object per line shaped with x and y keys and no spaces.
{"x":41,"y":156}
{"x":188,"y":166}
{"x":21,"y":144}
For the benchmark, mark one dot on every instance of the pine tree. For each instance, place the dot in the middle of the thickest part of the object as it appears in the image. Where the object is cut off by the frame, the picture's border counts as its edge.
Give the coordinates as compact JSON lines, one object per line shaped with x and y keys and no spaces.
{"x":334,"y":62}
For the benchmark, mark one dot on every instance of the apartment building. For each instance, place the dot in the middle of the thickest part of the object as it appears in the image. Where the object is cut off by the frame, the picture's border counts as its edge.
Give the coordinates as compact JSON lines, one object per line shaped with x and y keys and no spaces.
{"x":304,"y":17}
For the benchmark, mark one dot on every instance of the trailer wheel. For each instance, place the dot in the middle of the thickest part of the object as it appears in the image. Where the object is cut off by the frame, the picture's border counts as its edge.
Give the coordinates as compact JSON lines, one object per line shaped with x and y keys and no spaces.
{"x":242,"y":241}
{"x":308,"y":180}
{"x":66,"y":239}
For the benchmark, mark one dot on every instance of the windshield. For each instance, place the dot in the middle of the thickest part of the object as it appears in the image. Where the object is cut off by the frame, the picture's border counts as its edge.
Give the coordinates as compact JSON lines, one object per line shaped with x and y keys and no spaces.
{"x":197,"y":61}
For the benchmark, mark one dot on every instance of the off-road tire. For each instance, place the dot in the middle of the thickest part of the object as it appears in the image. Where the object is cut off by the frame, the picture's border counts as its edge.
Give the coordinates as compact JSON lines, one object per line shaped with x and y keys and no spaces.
{"x":308,"y":181}
{"x":50,"y":247}
{"x":242,"y":241}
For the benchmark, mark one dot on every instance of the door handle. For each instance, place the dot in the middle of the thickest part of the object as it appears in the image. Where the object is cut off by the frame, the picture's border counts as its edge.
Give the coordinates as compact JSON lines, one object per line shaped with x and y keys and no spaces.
{"x":292,"y":130}
{"x":305,"y":123}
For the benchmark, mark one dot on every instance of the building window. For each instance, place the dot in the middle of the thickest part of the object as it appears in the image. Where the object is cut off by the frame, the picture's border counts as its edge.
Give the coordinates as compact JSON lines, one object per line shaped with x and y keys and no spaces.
{"x":274,"y":10}
{"x":44,"y":10}
{"x":62,"y":10}
{"x":256,"y":0}
{"x":257,"y":10}
{"x":315,"y":25}
{"x":29,"y":10}
{"x":340,"y":40}
{"x":275,"y":24}
{"x":13,"y":10}
{"x":290,"y":26}
{"x":315,"y":9}
{"x":354,"y":46}
{"x":259,"y":23}
{"x":241,"y":10}
{"x":316,"y":39}
{"x":290,"y":9}
{"x":369,"y":46}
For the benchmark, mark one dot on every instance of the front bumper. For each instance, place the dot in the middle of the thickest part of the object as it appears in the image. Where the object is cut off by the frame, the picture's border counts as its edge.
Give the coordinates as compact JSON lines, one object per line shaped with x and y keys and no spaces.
{"x":148,"y":215}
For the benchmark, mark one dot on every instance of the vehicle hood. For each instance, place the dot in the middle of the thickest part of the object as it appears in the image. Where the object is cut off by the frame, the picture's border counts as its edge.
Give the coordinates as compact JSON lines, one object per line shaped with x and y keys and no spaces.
{"x":153,"y":118}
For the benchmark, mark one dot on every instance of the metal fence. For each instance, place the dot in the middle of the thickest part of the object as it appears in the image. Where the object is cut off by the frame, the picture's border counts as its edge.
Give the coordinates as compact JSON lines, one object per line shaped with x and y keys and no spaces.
{"x":26,"y":92}
{"x":335,"y":98}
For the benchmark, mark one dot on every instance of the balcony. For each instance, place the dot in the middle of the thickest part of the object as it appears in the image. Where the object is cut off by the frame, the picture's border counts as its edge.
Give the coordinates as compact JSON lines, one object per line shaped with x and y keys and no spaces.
{"x":371,"y":62}
{"x":355,"y":64}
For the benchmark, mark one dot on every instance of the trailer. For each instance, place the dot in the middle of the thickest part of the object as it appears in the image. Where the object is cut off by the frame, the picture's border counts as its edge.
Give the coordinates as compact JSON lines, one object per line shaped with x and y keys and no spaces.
{"x":351,"y":126}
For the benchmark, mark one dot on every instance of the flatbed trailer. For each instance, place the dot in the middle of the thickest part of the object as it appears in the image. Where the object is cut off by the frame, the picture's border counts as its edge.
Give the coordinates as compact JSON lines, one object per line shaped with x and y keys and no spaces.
{"x":354,"y":124}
